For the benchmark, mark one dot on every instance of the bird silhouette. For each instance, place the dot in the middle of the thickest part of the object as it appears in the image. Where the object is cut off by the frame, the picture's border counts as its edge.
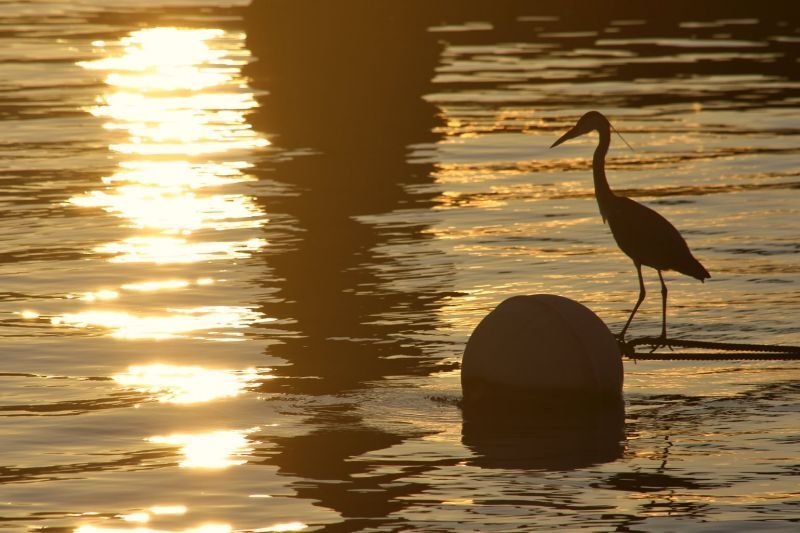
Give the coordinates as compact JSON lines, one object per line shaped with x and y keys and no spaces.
{"x":644,"y":235}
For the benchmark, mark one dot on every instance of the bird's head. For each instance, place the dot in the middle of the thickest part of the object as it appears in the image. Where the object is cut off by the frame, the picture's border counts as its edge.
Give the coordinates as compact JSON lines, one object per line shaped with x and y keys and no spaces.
{"x":591,"y":121}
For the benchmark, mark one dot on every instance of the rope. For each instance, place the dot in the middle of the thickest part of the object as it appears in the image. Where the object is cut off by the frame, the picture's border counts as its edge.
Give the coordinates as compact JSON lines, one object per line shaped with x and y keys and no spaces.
{"x":734,"y":347}
{"x":761,"y":356}
{"x":756,"y":352}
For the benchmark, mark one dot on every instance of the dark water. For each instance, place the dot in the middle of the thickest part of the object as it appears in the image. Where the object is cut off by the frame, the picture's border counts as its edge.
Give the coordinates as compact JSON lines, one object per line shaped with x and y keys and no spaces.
{"x":243,"y":248}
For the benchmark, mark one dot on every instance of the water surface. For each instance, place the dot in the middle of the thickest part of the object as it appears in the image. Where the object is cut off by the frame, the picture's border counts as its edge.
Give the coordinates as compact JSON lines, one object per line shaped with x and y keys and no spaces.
{"x":244,"y":246}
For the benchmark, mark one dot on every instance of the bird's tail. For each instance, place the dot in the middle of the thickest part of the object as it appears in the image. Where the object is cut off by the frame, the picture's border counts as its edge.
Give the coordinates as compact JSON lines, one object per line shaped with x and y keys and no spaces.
{"x":694,"y":268}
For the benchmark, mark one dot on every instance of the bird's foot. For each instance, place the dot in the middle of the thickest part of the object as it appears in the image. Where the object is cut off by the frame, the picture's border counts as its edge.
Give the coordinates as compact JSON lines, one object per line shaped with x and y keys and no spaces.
{"x":625,"y":348}
{"x":660,"y":342}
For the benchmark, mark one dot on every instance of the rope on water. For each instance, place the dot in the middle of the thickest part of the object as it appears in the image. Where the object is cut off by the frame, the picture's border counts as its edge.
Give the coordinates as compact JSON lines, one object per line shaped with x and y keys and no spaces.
{"x":726,"y":350}
{"x":671,"y":356}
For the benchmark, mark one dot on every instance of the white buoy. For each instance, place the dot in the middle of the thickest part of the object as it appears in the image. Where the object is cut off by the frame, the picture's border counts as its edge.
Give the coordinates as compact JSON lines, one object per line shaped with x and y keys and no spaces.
{"x":542,"y":345}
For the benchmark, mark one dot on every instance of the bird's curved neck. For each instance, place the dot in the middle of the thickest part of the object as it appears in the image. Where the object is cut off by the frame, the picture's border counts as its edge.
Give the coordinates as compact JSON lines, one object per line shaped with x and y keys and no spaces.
{"x":601,"y":189}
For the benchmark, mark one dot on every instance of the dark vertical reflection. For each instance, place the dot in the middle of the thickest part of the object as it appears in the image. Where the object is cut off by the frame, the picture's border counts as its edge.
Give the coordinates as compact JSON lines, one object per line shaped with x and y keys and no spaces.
{"x":343,"y":101}
{"x":345,"y":84}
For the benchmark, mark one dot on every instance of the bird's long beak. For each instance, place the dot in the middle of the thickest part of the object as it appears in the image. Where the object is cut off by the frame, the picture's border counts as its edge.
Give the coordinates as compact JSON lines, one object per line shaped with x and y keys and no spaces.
{"x":571,"y":134}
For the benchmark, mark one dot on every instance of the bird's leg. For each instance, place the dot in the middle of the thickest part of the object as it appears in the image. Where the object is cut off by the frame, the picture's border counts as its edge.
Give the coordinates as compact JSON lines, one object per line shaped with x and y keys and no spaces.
{"x":662,"y":340}
{"x":663,"y":306}
{"x":638,"y":302}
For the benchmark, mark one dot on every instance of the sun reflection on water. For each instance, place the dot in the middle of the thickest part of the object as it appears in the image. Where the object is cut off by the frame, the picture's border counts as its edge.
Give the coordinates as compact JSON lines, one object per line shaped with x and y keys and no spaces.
{"x":164,"y":250}
{"x":180,"y":97}
{"x":186,"y":384}
{"x":212,"y":450}
{"x":206,"y":528}
{"x":177,"y":323}
{"x":281,"y":527}
{"x":102,"y":294}
{"x":153,"y":286}
{"x":175,"y":105}
{"x":180,"y":174}
{"x":152,"y":207}
{"x":285,"y":526}
{"x":155,"y":512}
{"x":160,"y":95}
{"x":140,"y":516}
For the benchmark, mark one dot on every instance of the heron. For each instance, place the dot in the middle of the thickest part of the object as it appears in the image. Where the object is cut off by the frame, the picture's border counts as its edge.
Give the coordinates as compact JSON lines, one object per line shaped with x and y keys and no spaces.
{"x":642,"y":234}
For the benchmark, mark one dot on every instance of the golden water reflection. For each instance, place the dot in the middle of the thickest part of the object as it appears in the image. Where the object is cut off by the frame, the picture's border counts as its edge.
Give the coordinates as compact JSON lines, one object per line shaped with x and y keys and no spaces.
{"x":175,"y":212}
{"x":153,"y":286}
{"x":160,"y":95}
{"x":102,"y":294}
{"x":281,"y":527}
{"x":158,"y":510}
{"x":285,"y":526}
{"x":168,"y":509}
{"x":180,"y":174}
{"x":136,"y":517}
{"x":166,"y":250}
{"x":212,"y":450}
{"x":186,"y":384}
{"x":180,"y":97}
{"x":206,"y":528}
{"x":176,"y":323}
{"x":175,"y":105}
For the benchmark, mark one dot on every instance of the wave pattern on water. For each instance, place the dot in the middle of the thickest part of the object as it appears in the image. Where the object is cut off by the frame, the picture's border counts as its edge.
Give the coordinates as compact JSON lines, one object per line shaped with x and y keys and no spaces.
{"x":243,"y":248}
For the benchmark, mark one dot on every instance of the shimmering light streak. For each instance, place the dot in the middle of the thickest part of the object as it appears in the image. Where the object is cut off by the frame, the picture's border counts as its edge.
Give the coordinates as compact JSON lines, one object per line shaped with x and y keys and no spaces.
{"x":214,"y":450}
{"x":185,"y":384}
{"x":178,"y":323}
{"x":283,"y":527}
{"x":180,"y":97}
{"x":153,"y":286}
{"x":151,"y":207}
{"x":164,"y":250}
{"x":206,"y":528}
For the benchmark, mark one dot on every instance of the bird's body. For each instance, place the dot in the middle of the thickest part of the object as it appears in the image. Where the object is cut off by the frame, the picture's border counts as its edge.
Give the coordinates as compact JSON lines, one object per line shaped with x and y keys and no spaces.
{"x":649,"y":239}
{"x":641,"y":233}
